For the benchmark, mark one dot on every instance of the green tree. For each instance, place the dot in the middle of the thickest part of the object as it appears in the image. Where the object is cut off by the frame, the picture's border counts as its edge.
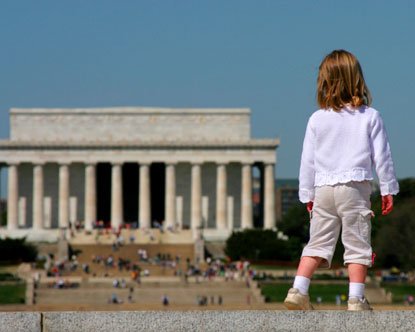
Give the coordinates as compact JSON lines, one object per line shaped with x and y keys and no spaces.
{"x":17,"y":250}
{"x":259,"y":244}
{"x":296,"y":223}
{"x":394,"y":242}
{"x":3,"y":218}
{"x":393,"y":235}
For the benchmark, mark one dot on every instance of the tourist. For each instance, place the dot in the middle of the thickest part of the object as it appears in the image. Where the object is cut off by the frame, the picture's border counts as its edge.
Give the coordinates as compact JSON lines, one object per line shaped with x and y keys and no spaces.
{"x":165,"y":300}
{"x":130,"y":295}
{"x":114,"y":299}
{"x":132,"y":239}
{"x":344,"y":140}
{"x":338,"y":299}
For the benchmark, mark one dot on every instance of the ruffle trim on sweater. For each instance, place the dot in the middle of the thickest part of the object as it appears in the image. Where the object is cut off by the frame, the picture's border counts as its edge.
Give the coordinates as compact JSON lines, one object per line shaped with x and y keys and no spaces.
{"x":332,"y":178}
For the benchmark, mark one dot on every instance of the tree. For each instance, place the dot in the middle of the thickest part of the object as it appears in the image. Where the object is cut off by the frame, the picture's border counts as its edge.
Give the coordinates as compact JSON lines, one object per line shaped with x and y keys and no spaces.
{"x":394,"y":242}
{"x":259,"y":244}
{"x":17,"y":250}
{"x":3,"y":218}
{"x":296,"y":223}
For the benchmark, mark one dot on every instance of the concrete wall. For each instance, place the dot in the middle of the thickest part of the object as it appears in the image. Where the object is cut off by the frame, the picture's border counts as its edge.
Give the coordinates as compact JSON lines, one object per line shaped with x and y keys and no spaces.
{"x":128,"y":124}
{"x":258,"y":321}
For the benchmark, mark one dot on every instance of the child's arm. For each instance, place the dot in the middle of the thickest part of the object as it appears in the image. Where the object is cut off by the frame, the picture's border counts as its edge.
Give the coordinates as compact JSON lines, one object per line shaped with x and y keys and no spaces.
{"x":382,"y":157}
{"x":307,"y":172}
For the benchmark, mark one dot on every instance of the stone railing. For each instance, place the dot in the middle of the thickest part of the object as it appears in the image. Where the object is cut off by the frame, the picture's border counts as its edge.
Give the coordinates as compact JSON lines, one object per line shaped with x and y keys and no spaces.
{"x":338,"y":321}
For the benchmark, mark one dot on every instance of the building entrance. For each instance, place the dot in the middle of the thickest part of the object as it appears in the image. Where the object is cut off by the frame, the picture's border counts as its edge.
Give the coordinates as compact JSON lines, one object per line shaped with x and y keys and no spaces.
{"x":130,"y":188}
{"x":158,"y":189}
{"x":103,"y":185}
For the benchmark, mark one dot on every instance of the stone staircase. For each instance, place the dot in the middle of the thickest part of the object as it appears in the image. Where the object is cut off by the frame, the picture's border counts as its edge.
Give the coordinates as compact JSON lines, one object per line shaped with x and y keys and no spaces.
{"x":150,"y":292}
{"x":129,"y":252}
{"x":152,"y":236}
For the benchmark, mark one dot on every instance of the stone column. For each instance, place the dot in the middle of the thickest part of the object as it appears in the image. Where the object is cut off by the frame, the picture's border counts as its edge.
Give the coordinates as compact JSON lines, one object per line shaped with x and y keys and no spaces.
{"x":170,"y":210}
{"x":38,"y":197}
{"x":145,"y":197}
{"x":269,"y":199}
{"x":12,"y":197}
{"x":63,"y":196}
{"x":90,"y":196}
{"x":116,"y":196}
{"x":246,"y":204}
{"x":196,"y":194}
{"x":221,"y":197}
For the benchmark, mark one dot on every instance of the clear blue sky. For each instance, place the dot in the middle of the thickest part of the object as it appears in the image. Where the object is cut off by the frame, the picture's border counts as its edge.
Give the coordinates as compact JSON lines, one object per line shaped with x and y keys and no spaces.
{"x":258,"y":54}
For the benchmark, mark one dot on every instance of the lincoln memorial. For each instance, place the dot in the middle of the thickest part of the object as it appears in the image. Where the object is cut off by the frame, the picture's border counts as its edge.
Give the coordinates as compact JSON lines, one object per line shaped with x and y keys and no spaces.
{"x":185,"y":169}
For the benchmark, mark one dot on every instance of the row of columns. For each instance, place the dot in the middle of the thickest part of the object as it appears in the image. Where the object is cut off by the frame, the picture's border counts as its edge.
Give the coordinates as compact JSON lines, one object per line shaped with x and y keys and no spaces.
{"x":144,"y":196}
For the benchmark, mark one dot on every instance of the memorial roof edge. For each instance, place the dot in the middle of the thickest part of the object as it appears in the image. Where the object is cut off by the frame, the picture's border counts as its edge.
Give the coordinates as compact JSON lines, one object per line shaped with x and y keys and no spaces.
{"x":130,"y":110}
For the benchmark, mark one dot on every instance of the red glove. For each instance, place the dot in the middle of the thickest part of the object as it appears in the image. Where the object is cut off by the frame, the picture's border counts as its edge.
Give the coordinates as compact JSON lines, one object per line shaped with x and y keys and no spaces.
{"x":310,"y":206}
{"x":387,"y":204}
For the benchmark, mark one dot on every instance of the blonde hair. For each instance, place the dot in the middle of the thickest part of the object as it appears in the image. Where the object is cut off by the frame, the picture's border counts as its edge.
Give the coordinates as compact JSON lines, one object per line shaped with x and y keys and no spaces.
{"x":340,"y":82}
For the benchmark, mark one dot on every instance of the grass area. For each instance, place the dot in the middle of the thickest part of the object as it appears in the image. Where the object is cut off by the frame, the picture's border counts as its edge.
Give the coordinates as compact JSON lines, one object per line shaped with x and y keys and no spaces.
{"x":399,"y":291}
{"x":12,"y":293}
{"x":278,"y":292}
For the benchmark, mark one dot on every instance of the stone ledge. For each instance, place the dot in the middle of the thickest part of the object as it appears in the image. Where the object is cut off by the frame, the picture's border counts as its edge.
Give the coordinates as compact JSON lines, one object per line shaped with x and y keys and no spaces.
{"x":338,"y":321}
{"x":20,"y":321}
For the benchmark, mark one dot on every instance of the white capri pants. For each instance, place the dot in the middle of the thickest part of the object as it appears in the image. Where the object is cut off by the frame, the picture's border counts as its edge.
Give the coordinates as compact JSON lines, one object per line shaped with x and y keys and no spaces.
{"x":344,"y":206}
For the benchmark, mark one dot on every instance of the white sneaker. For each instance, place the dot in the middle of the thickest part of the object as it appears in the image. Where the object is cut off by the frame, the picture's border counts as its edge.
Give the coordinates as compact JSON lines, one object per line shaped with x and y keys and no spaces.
{"x":297,"y":301}
{"x":355,"y":304}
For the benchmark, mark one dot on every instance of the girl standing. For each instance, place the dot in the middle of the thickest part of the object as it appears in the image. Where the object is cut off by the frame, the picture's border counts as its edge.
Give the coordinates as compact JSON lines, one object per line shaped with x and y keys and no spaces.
{"x":344,"y":140}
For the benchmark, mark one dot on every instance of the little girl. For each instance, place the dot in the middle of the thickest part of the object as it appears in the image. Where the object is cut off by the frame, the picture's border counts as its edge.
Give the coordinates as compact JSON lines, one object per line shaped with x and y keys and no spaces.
{"x":344,"y":140}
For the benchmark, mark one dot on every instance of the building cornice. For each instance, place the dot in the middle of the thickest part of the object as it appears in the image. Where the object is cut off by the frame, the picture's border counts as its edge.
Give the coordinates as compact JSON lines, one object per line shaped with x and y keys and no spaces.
{"x":33,"y":145}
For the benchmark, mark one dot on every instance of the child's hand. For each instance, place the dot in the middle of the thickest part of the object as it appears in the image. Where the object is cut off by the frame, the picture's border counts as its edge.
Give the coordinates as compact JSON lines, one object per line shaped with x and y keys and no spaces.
{"x":387,"y":204}
{"x":309,"y":206}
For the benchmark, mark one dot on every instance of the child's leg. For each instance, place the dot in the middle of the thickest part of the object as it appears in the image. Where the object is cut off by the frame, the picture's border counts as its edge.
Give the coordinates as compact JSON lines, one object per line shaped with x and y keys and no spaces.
{"x":357,"y":277}
{"x":305,"y":271}
{"x":307,"y":266}
{"x":324,"y":232}
{"x":357,"y":272}
{"x":353,"y":200}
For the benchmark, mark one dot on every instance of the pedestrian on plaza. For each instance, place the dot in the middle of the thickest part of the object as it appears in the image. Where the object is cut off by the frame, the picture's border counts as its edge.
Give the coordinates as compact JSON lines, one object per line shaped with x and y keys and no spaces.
{"x":165,"y":300}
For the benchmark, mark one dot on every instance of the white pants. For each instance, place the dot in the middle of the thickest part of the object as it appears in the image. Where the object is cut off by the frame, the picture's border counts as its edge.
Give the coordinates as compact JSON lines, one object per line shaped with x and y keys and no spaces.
{"x":344,"y":206}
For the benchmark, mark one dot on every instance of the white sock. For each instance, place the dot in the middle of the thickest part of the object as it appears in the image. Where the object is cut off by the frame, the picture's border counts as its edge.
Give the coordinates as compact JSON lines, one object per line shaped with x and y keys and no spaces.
{"x":356,"y":290}
{"x":302,"y":284}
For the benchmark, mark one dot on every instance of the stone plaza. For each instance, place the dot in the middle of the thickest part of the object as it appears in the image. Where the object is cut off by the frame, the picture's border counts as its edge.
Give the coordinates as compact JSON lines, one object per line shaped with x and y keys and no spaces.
{"x":186,"y":169}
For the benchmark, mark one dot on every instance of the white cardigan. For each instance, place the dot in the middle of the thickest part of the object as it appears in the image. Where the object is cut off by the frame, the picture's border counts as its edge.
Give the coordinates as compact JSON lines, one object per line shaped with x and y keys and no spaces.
{"x":341,"y":147}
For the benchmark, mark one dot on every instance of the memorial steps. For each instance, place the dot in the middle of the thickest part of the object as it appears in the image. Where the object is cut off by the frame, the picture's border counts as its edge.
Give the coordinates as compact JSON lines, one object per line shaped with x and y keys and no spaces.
{"x":150,"y":293}
{"x":149,"y":236}
{"x":129,"y":252}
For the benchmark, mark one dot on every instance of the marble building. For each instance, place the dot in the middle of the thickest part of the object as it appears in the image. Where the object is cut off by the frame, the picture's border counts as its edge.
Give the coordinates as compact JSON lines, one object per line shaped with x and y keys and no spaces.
{"x":187,"y":169}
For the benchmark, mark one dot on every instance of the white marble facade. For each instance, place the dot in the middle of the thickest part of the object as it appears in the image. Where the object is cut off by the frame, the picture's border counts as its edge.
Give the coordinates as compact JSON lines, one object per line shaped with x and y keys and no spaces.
{"x":206,"y":156}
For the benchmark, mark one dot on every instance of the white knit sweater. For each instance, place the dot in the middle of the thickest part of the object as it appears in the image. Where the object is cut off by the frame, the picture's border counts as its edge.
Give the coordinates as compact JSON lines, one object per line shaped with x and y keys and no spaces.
{"x":345,"y":146}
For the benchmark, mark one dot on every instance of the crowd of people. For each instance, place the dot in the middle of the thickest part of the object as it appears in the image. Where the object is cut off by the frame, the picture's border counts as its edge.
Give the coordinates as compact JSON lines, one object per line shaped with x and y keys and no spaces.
{"x":112,"y":264}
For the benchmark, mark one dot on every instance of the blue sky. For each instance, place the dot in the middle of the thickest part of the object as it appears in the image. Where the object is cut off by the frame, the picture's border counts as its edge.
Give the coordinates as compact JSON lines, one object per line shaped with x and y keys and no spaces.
{"x":258,"y":54}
